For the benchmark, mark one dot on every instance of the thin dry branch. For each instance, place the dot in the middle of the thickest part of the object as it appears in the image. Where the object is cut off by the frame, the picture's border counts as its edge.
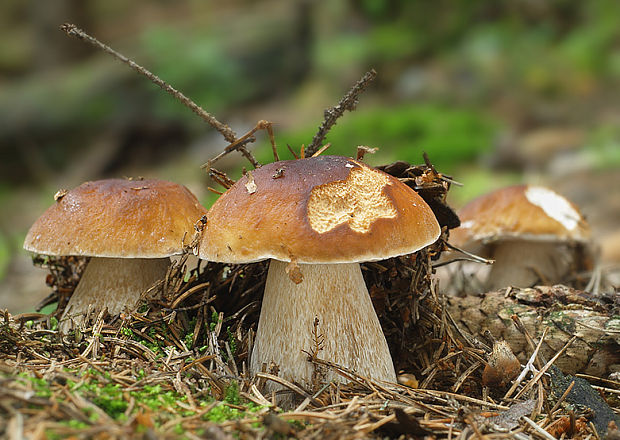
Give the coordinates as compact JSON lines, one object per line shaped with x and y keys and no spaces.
{"x":73,"y":31}
{"x":236,"y":144}
{"x":239,"y":145}
{"x":348,"y":102}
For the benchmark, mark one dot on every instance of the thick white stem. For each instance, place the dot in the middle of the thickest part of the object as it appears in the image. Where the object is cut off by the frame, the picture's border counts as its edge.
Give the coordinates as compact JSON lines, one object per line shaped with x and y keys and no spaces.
{"x":112,"y":283}
{"x":525,"y":263}
{"x":335,"y":294}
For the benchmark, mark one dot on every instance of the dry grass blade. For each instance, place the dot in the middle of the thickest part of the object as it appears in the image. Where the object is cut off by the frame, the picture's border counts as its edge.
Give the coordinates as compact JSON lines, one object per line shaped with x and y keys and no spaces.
{"x":291,"y":386}
{"x":544,"y":369}
{"x":529,"y":366}
{"x":538,"y":429}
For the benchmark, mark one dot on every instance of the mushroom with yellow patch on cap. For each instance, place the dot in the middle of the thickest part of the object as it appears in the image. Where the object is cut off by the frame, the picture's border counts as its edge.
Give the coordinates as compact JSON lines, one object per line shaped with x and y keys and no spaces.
{"x":320,"y":216}
{"x":533,"y":234}
{"x":129,"y":228}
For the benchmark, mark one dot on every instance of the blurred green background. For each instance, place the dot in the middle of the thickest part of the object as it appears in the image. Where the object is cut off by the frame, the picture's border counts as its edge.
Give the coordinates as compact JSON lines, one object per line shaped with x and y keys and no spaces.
{"x":495,"y":92}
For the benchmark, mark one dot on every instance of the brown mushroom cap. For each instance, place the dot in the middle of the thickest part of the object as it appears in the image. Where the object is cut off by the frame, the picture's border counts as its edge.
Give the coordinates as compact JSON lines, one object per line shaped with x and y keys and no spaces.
{"x":117,"y":218}
{"x":522,"y":211}
{"x":324,"y":209}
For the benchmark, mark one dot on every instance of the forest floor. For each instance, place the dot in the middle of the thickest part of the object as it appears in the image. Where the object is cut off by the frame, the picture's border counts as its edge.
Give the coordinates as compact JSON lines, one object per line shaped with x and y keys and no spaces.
{"x":178,"y":368}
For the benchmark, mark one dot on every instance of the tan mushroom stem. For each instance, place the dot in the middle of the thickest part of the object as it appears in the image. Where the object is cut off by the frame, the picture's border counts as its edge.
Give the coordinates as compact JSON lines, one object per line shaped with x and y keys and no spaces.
{"x":335,"y":294}
{"x":112,"y":283}
{"x":524,"y":263}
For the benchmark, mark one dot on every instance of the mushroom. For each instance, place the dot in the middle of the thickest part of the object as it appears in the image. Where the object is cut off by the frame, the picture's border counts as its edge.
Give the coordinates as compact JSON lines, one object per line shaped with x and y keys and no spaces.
{"x":533,"y":234}
{"x":129,"y":228}
{"x":316,"y":219}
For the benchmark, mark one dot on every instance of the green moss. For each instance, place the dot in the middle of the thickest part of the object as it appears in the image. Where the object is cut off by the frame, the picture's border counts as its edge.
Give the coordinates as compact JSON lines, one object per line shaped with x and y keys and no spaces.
{"x":231,"y":393}
{"x":156,"y":343}
{"x":232,"y":341}
{"x":189,"y":340}
{"x":40,"y":386}
{"x":108,"y":397}
{"x":155,"y":398}
{"x":112,"y":399}
{"x":215,"y":317}
{"x":222,"y":413}
{"x":97,"y":387}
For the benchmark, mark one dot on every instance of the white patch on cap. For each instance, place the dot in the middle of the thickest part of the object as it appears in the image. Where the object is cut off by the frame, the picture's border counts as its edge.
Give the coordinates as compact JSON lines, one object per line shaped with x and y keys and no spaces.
{"x":554,"y":205}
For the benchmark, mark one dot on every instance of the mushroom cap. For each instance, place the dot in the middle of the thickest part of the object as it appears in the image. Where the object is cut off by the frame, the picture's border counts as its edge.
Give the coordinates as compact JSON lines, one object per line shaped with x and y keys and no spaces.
{"x":524,"y":212}
{"x":117,"y":218}
{"x":324,"y":209}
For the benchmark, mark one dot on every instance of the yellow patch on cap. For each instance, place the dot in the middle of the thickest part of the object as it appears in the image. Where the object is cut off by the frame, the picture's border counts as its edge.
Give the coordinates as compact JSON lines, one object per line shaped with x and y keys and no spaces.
{"x":358,"y":201}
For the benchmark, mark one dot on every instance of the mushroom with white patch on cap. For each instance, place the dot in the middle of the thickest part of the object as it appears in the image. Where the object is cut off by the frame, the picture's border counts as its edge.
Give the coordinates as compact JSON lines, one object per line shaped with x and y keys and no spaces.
{"x":320,"y":216}
{"x":533,"y":234}
{"x":129,"y":228}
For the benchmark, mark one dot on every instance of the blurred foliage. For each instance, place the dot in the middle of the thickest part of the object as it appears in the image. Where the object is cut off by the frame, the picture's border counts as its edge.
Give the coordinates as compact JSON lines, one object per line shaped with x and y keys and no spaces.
{"x":449,"y":135}
{"x":203,"y":69}
{"x":476,"y":181}
{"x":5,"y":254}
{"x":454,"y":75}
{"x":603,"y":149}
{"x":466,"y":54}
